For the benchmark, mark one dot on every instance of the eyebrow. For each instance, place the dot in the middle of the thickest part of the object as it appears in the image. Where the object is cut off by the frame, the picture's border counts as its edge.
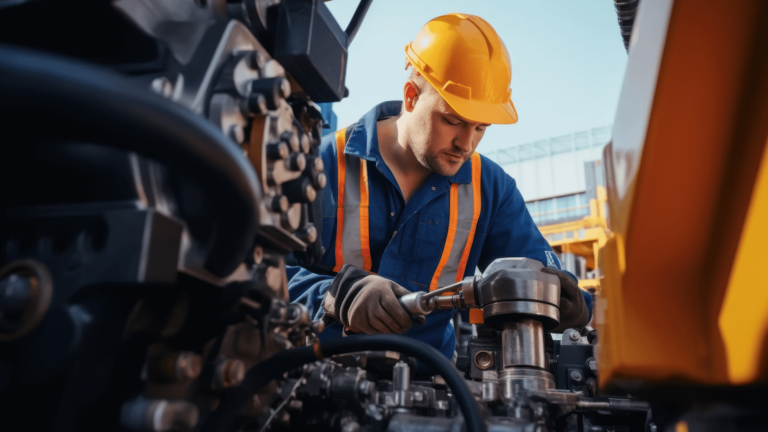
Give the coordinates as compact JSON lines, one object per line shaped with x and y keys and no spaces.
{"x":455,"y":117}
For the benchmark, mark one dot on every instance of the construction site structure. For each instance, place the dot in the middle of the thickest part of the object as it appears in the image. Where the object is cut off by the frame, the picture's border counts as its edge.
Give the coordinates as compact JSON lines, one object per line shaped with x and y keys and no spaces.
{"x":563,"y":183}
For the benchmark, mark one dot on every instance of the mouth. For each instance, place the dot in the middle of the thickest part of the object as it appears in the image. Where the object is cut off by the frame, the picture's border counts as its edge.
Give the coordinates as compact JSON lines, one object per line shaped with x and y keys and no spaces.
{"x":454,"y":157}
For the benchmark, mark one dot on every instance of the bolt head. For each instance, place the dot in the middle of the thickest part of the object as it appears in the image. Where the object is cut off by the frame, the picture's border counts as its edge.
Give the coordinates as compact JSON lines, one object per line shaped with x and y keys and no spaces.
{"x":310,"y":193}
{"x":320,"y":181}
{"x":576,"y":376}
{"x":257,"y":103}
{"x":285,"y":88}
{"x":484,"y":360}
{"x":256,"y":60}
{"x":280,"y":204}
{"x":310,"y":234}
{"x":258,"y":255}
{"x":574,"y":336}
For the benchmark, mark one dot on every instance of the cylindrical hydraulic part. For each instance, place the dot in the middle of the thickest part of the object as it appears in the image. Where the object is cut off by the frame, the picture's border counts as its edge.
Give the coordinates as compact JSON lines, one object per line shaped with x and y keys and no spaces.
{"x":401,"y":383}
{"x":523,"y":344}
{"x":446,"y":302}
{"x":514,"y":380}
{"x":401,"y":376}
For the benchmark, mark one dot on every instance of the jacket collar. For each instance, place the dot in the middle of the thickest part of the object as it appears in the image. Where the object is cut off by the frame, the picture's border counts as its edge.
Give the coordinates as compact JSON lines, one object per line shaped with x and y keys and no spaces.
{"x":364,"y":140}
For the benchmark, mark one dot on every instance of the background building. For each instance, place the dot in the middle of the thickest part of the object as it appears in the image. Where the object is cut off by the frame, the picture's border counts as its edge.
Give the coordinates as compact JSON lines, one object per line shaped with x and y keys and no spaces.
{"x":562,"y":181}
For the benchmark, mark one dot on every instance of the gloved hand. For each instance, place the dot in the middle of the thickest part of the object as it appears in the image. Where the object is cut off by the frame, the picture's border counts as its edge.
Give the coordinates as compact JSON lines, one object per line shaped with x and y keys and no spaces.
{"x":366,"y":303}
{"x":573,"y":309}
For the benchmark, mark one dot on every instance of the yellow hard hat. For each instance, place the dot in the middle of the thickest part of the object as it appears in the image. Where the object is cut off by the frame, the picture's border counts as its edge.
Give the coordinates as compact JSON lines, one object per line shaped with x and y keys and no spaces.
{"x":467,"y":63}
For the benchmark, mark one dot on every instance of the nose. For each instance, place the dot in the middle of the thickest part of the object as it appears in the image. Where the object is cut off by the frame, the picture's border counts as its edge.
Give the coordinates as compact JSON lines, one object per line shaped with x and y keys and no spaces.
{"x":464,"y":139}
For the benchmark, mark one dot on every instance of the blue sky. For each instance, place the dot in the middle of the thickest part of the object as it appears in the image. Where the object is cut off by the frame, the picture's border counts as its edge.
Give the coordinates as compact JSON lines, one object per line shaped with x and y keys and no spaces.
{"x":568,"y":60}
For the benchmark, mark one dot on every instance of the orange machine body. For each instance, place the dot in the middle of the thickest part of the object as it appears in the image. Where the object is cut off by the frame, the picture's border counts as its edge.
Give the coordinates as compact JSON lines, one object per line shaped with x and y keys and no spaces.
{"x":684,"y":295}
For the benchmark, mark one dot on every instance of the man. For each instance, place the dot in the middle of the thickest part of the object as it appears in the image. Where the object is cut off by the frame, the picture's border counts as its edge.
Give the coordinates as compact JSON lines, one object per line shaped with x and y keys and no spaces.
{"x":410,"y":206}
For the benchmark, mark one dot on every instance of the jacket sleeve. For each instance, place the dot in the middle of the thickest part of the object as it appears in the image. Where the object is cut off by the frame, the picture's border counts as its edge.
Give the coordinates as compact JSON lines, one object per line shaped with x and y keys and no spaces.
{"x":308,"y":289}
{"x":512,"y":233}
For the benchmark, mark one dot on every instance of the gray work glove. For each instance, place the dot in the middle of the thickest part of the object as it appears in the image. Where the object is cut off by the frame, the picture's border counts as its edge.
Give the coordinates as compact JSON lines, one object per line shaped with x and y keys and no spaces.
{"x":366,"y":303}
{"x":573,"y":309}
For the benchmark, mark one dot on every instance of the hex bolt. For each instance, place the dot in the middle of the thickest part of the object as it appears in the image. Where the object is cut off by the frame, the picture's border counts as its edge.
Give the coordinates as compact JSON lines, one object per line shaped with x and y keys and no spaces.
{"x":299,"y":190}
{"x":25,"y":294}
{"x":228,"y":373}
{"x":285,"y":88}
{"x":188,"y":366}
{"x":308,"y":235}
{"x":484,"y":360}
{"x":296,"y":162}
{"x":256,"y":104}
{"x":310,"y":193}
{"x":273,"y":90}
{"x":365,"y":389}
{"x":319,"y":181}
{"x":318,"y":164}
{"x":291,"y":139}
{"x":163,"y":87}
{"x":258,"y":255}
{"x":256,"y":60}
{"x":279,"y":204}
{"x":317,"y":327}
{"x":277,"y":151}
{"x":15,"y":292}
{"x":576,"y":377}
{"x":175,"y":366}
{"x":304,"y":140}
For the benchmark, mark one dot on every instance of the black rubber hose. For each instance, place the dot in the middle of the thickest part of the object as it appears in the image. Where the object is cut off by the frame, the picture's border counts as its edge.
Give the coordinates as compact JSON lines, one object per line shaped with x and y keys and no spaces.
{"x":626,"y":11}
{"x":357,"y":20}
{"x":280,"y":363}
{"x":70,"y":100}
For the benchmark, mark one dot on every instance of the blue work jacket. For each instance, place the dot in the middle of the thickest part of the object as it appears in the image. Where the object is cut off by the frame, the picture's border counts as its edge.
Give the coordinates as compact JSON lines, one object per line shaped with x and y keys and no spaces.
{"x":406,"y":239}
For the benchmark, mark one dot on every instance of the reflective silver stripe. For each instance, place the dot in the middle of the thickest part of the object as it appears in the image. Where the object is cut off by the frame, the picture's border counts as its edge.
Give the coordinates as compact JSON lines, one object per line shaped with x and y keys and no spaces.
{"x":466,"y":214}
{"x":353,"y":253}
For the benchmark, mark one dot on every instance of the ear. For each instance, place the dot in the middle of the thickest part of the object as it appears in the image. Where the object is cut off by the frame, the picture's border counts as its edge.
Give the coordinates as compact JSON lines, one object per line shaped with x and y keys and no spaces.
{"x":410,"y":95}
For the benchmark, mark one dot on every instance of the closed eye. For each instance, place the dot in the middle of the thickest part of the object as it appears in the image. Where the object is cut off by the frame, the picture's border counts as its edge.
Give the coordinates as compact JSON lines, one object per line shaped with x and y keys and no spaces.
{"x":447,"y":120}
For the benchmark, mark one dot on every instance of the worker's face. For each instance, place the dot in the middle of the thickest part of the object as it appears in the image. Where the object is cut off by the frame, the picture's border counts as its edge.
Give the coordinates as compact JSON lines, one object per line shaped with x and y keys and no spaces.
{"x":439,"y":137}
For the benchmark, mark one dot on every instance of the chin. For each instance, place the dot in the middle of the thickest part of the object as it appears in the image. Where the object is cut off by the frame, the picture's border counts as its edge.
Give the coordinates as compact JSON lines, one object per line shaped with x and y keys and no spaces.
{"x":448,"y":169}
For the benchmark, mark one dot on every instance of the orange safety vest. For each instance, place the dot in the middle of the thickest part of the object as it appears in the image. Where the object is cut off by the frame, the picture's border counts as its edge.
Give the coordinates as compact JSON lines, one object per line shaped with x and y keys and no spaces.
{"x":352,"y":232}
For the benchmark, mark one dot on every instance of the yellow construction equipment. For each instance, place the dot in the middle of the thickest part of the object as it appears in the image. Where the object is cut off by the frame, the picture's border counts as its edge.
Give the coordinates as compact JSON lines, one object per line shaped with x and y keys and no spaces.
{"x":583,"y":237}
{"x":684,"y":299}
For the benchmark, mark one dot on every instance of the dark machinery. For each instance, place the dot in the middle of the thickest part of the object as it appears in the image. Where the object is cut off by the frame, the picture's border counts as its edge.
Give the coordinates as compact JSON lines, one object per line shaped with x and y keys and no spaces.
{"x":524,"y":379}
{"x":159,"y":167}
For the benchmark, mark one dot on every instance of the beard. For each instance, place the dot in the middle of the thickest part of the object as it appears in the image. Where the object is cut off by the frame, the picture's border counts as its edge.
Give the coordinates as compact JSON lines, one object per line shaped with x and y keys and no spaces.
{"x":436,"y":162}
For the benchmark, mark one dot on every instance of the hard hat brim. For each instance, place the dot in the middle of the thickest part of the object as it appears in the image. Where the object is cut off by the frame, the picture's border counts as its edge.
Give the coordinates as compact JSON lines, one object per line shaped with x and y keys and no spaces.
{"x":473,"y":110}
{"x":481,"y":112}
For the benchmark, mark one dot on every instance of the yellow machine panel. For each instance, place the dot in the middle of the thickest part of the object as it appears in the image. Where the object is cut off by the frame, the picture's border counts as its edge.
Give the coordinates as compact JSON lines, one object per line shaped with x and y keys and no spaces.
{"x":682,"y":298}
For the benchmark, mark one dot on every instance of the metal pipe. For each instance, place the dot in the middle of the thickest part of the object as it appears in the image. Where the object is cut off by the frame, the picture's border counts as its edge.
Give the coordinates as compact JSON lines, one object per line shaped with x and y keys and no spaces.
{"x":523,"y":344}
{"x":448,"y":288}
{"x":445,"y":302}
{"x":357,"y":20}
{"x":401,"y":376}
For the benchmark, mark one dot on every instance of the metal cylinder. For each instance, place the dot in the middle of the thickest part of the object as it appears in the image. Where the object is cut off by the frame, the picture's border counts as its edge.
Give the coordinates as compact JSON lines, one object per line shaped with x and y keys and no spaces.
{"x":514,"y":380}
{"x":446,"y":302}
{"x":401,"y":383}
{"x":401,"y":376}
{"x":523,"y":344}
{"x":488,"y":391}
